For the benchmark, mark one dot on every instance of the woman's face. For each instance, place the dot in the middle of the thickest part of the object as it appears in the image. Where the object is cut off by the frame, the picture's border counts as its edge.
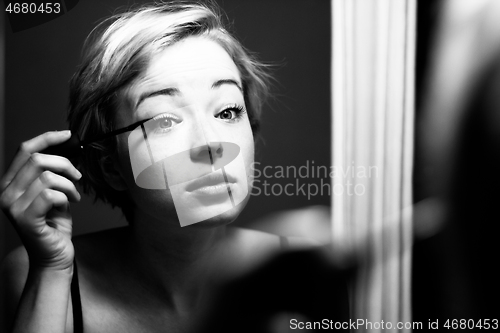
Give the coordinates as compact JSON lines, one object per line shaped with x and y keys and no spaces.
{"x":192,"y":160}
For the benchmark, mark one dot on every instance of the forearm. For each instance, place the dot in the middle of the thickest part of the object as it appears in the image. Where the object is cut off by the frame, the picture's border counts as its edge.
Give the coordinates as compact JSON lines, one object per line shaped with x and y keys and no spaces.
{"x":43,"y":306}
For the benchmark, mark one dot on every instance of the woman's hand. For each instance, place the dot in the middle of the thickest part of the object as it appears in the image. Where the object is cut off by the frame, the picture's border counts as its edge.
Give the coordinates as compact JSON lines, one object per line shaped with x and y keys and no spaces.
{"x":35,"y":194}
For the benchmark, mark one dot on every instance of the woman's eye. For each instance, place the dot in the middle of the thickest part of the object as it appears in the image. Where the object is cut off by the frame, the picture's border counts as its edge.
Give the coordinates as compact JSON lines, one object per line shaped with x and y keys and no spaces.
{"x":231,"y":113}
{"x":227,"y":115}
{"x":165,"y":123}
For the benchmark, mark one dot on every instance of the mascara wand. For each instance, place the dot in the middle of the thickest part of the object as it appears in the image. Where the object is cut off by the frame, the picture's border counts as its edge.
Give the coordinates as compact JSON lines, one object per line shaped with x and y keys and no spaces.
{"x":74,"y":146}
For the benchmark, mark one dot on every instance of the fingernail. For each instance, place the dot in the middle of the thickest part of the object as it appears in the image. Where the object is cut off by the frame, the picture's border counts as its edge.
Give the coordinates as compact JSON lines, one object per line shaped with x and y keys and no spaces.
{"x":66,"y":132}
{"x":78,"y":174}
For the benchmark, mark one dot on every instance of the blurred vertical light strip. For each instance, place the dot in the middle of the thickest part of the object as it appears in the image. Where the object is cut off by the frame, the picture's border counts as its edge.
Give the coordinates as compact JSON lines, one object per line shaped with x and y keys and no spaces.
{"x":373,"y":72}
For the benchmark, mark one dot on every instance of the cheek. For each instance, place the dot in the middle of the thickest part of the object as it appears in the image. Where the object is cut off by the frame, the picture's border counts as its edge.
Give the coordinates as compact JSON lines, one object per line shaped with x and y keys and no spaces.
{"x":248,"y":157}
{"x":243,"y":137}
{"x":248,"y":149}
{"x":245,"y":168}
{"x":155,"y":202}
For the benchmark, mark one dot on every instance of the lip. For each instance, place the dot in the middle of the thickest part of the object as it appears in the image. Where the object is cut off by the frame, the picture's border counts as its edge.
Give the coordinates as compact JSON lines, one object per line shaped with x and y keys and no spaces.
{"x":213,"y":183}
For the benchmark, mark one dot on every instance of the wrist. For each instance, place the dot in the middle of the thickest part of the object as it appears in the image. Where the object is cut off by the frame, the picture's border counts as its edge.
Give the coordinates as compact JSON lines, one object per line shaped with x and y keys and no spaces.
{"x":53,"y":270}
{"x":43,"y":263}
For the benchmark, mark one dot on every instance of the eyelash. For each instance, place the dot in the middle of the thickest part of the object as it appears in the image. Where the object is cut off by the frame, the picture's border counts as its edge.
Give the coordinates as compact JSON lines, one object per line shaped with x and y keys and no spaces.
{"x":239,"y":111}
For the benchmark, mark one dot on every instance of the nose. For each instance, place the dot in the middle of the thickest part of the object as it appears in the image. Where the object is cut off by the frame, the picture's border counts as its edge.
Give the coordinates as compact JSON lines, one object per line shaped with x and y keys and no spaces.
{"x":209,"y":153}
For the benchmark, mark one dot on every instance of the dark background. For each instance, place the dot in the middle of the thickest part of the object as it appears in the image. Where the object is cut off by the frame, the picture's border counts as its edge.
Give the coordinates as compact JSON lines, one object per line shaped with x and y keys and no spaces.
{"x":293,"y":35}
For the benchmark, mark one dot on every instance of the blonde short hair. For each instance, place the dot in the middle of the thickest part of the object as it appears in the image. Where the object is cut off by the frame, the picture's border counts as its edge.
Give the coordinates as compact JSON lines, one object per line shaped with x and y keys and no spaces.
{"x":118,"y":50}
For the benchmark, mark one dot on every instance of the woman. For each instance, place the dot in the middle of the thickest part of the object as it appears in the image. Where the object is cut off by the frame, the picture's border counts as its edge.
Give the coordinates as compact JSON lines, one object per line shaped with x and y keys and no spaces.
{"x":194,"y":95}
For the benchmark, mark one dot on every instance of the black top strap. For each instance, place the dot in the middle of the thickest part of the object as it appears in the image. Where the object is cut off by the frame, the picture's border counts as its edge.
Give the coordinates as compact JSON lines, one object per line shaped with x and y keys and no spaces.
{"x":76,"y":302}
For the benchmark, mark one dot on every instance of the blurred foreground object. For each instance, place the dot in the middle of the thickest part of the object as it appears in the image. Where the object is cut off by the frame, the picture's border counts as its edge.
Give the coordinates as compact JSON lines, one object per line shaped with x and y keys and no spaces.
{"x":454,"y":273}
{"x":303,"y":285}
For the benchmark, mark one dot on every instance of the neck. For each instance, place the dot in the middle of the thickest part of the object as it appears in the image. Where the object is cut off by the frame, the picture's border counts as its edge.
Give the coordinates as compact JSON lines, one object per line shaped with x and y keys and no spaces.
{"x":173,"y":260}
{"x":164,"y":242}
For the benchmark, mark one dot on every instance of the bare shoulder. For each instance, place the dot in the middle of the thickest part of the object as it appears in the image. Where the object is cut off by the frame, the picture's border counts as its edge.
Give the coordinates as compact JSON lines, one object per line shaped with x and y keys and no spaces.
{"x":13,"y":275}
{"x":260,"y":242}
{"x":100,"y":255}
{"x":303,"y":227}
{"x":246,"y":249}
{"x":100,"y":259}
{"x":15,"y":265}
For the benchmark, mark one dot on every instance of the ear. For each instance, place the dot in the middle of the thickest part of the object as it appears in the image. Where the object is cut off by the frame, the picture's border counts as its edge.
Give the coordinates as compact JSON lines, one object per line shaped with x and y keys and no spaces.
{"x":112,"y":175}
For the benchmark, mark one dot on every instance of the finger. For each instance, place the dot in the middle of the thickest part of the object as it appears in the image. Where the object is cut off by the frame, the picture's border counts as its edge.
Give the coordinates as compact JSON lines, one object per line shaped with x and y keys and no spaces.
{"x":31,"y":146}
{"x":52,"y":181}
{"x":33,"y":168}
{"x":47,"y":199}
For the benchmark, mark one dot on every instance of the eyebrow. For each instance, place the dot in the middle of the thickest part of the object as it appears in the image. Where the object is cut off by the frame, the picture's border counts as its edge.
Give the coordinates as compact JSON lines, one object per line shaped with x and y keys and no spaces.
{"x":219,"y":83}
{"x":167,"y":92}
{"x":175,"y":91}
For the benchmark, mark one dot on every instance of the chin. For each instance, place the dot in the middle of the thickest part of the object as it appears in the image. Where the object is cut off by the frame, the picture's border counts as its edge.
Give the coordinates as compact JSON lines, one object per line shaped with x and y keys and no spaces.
{"x":221,"y":219}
